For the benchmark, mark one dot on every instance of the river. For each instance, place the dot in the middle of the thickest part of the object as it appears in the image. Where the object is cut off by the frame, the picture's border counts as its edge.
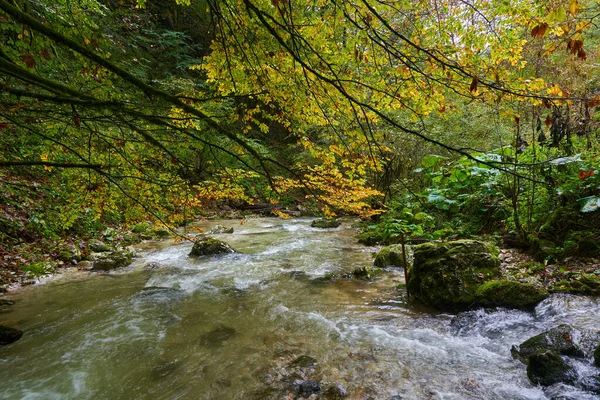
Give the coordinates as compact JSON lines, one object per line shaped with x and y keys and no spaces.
{"x":174,"y":327}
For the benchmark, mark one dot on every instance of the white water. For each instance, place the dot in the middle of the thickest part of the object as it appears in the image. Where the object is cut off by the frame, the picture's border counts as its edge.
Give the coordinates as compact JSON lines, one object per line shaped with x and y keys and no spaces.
{"x":145,"y":331}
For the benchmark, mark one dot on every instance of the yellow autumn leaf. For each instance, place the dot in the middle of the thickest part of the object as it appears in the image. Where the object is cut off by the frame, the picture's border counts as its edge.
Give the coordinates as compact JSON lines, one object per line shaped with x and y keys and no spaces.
{"x":574,"y":7}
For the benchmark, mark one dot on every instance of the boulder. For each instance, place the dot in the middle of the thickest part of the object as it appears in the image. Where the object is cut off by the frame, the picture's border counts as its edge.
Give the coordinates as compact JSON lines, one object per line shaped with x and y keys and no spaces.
{"x":390,"y":256}
{"x":220,"y":229}
{"x":597,"y":356}
{"x":559,"y":340}
{"x":207,"y":246}
{"x":161,"y":233}
{"x":69,"y":253}
{"x":447,"y":275}
{"x":325,"y":223}
{"x":110,"y":260}
{"x":547,"y":368}
{"x":98,"y":246}
{"x":9,"y":335}
{"x":509,"y":294}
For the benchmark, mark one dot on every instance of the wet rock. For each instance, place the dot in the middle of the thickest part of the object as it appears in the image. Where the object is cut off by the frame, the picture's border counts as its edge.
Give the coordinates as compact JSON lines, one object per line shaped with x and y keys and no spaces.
{"x":161,"y":233}
{"x":597,"y":356}
{"x":9,"y":335}
{"x":333,"y":392}
{"x":547,"y":368}
{"x":6,"y":303}
{"x":303,"y":361}
{"x":110,"y":260}
{"x":389,"y":256}
{"x":325,"y":223}
{"x":366,"y":273}
{"x":217,"y":336}
{"x":208,"y":246}
{"x":165,"y":369}
{"x":98,"y":246}
{"x":560,"y":340}
{"x":85,"y":265}
{"x":307,"y":388}
{"x":509,"y":294}
{"x":447,"y":275}
{"x":220,"y":229}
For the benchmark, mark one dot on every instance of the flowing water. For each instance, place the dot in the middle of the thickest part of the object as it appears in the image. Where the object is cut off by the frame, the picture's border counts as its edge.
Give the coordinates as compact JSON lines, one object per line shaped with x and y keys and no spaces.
{"x":173,"y":327}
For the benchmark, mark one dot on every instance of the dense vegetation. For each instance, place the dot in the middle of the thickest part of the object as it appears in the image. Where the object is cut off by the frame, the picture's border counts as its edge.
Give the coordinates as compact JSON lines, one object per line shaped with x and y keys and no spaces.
{"x":434,"y":119}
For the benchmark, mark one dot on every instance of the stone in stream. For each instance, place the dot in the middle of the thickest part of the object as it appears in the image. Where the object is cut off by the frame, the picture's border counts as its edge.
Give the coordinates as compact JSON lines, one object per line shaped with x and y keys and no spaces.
{"x":509,"y":294}
{"x":216,"y":337}
{"x":165,"y":369}
{"x":9,"y":335}
{"x":392,"y":256}
{"x":110,"y":260}
{"x":597,"y":355}
{"x":547,"y":368}
{"x":447,"y":275}
{"x":560,"y":340}
{"x":325,"y":223}
{"x":98,"y":246}
{"x":220,"y":229}
{"x":207,"y":246}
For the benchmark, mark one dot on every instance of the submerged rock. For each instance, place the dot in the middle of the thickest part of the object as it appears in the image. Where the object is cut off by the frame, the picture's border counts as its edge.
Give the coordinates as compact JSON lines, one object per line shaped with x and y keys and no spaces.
{"x":220,"y":229}
{"x":208,"y":246}
{"x":325,"y":223}
{"x":597,"y":356}
{"x":547,"y":368}
{"x":9,"y":335}
{"x":509,"y":294}
{"x":217,"y":336}
{"x":110,"y":260}
{"x":447,"y":275}
{"x":560,"y":340}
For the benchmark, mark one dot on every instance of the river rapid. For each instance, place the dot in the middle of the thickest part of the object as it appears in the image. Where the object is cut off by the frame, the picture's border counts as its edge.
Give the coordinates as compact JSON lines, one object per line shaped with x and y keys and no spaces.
{"x":174,"y":327}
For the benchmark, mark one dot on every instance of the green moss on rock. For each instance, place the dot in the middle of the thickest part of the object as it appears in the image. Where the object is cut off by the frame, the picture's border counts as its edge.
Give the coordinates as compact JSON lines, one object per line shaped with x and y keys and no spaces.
{"x":510,"y":294}
{"x":208,"y":246}
{"x":558,"y":340}
{"x":547,"y":368}
{"x":366,"y":273}
{"x":110,"y":260}
{"x":325,"y":223}
{"x":447,"y":275}
{"x":389,"y":255}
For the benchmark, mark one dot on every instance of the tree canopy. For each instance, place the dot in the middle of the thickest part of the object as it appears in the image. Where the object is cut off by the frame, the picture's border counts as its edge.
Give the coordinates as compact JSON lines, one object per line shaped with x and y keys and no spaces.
{"x":137,"y":108}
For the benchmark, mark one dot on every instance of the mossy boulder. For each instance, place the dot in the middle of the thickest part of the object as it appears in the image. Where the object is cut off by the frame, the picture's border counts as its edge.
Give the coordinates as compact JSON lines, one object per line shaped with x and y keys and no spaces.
{"x":447,"y":275}
{"x":582,"y":285}
{"x":560,"y":340}
{"x":98,"y":246}
{"x":366,"y":273}
{"x":509,"y":294}
{"x":161,"y":233}
{"x":221,"y":229}
{"x":547,"y":368}
{"x":9,"y":335}
{"x":110,"y":260}
{"x":325,"y":223}
{"x":209,"y":246}
{"x":391,"y":256}
{"x":69,"y":253}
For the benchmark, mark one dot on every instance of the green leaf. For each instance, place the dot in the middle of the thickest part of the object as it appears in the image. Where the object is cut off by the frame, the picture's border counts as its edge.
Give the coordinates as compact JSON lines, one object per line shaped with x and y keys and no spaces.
{"x":431,"y":160}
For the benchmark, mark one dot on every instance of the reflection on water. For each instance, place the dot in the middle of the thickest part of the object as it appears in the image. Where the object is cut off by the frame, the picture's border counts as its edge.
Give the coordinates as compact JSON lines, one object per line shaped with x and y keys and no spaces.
{"x":213,"y":328}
